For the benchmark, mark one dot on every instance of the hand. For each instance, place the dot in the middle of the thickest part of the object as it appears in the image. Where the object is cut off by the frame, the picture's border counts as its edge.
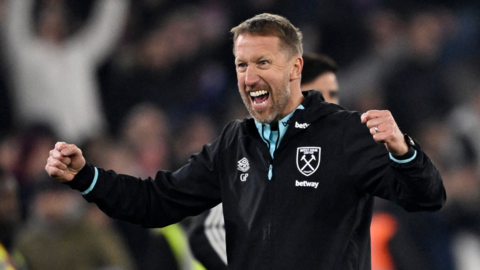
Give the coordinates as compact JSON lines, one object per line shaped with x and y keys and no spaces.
{"x":385,"y":130}
{"x":64,"y":162}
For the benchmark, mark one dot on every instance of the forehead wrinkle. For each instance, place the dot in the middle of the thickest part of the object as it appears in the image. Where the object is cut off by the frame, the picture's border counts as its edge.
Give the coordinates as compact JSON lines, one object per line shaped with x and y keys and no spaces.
{"x":244,"y":36}
{"x":255,"y":58}
{"x":266,"y":56}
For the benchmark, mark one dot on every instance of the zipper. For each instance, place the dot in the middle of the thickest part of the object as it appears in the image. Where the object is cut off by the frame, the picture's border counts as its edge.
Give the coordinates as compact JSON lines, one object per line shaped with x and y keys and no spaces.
{"x":270,"y":172}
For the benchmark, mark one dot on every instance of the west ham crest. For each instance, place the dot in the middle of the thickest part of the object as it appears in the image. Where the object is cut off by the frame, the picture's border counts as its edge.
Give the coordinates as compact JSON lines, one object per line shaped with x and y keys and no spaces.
{"x":308,"y":159}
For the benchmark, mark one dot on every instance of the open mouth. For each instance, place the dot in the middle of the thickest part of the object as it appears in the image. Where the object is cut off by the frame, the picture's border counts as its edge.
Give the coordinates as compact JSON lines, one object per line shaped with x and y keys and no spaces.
{"x":259,"y":97}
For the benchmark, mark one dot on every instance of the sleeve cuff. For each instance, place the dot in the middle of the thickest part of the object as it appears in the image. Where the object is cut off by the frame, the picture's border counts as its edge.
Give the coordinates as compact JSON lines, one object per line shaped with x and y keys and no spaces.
{"x":84,"y":179}
{"x":92,"y":185}
{"x":409,"y":156}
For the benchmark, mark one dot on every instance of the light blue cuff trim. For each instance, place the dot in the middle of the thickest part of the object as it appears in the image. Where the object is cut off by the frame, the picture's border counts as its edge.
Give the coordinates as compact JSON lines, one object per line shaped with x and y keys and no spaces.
{"x":92,"y":185}
{"x":405,"y":160}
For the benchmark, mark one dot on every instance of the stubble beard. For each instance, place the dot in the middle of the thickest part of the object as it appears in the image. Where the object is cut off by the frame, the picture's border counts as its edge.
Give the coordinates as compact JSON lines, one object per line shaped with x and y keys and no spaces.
{"x":279,"y":98}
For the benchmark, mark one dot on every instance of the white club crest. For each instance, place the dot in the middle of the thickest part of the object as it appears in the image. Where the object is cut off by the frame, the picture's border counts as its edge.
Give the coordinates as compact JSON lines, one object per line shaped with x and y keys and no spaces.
{"x":243,"y":165}
{"x":308,"y":159}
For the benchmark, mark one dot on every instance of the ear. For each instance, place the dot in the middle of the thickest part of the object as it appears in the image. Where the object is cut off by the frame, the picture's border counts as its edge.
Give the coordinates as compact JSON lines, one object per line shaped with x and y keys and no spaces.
{"x":297,"y":67}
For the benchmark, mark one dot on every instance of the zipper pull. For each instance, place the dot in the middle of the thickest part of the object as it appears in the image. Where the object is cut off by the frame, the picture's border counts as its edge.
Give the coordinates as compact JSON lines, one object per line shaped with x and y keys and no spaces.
{"x":270,"y":172}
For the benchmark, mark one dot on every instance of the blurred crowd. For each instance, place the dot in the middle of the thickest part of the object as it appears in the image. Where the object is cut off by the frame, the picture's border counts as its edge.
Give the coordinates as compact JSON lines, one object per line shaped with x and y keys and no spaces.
{"x":141,"y":85}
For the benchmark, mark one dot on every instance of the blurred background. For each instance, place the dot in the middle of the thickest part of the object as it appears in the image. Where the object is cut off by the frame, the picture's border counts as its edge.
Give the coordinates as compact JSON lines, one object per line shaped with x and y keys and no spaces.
{"x":140,"y":85}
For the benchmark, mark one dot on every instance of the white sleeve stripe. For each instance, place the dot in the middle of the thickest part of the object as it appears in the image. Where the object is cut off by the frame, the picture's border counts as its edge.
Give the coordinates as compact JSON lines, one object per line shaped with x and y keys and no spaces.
{"x":215,"y":231}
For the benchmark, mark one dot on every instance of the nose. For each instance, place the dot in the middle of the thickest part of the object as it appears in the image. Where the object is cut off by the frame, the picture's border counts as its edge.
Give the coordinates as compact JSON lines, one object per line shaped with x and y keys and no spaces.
{"x":251,"y":76}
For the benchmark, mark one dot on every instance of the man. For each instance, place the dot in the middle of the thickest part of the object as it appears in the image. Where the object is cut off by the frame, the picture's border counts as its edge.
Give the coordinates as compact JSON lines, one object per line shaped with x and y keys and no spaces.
{"x":47,"y":66}
{"x":207,"y":231}
{"x":296,"y":181}
{"x":320,"y":73}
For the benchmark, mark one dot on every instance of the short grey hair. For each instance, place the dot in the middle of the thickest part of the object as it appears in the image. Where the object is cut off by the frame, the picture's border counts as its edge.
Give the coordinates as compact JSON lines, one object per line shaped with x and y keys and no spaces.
{"x":267,"y":24}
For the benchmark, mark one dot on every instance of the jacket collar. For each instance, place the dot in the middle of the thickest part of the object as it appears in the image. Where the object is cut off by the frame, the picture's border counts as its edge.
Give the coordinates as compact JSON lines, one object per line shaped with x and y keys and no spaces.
{"x":315,"y":108}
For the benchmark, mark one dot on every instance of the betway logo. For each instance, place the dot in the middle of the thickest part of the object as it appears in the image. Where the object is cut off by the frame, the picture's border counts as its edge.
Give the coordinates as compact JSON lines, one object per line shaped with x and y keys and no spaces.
{"x":303,"y":125}
{"x":306,"y":184}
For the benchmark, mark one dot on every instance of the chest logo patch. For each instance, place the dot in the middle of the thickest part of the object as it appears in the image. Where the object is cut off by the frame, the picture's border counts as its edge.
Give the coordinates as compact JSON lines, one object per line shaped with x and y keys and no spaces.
{"x":308,"y":159}
{"x":243,"y":165}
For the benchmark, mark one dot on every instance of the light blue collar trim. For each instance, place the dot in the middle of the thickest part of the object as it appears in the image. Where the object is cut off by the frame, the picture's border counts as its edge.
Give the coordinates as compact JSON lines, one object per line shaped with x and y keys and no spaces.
{"x":273,"y":137}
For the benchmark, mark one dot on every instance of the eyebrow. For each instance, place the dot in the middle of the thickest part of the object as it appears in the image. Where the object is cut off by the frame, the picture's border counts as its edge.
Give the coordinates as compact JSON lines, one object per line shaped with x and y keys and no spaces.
{"x":259,"y":58}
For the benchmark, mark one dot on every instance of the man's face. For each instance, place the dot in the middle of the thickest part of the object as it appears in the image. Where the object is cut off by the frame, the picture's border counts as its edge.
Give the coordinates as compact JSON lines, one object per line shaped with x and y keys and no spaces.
{"x":327,"y":85}
{"x":263,"y":74}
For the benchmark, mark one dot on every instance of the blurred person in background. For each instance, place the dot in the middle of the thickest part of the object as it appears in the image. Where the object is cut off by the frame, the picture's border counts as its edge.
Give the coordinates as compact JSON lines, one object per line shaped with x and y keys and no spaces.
{"x":464,"y":122}
{"x":140,"y":149}
{"x":462,"y":213}
{"x":30,"y":142}
{"x":50,"y":65}
{"x":63,"y":230}
{"x":10,"y":221}
{"x":146,"y":131}
{"x":197,"y":130}
{"x":10,"y":148}
{"x":320,"y":73}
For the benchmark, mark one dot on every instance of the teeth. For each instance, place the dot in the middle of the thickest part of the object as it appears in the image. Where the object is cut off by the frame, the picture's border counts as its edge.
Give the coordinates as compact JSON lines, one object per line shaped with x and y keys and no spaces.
{"x":258,"y":93}
{"x":260,"y":103}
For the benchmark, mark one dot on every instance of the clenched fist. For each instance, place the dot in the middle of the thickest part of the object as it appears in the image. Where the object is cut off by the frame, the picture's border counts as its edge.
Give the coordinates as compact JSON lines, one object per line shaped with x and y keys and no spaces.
{"x":385,"y":130}
{"x":64,"y":162}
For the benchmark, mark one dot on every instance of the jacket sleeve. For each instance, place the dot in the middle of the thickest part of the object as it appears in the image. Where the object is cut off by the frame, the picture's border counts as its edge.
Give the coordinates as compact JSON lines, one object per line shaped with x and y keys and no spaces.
{"x":415,"y":185}
{"x":158,"y":202}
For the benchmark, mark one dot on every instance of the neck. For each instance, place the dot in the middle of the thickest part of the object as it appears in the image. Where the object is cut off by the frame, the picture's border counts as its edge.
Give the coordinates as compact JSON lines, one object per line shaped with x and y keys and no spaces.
{"x":296,"y":98}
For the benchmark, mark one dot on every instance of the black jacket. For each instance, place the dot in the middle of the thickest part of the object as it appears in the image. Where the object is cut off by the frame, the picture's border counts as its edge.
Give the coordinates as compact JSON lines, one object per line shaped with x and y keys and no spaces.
{"x":314,"y":213}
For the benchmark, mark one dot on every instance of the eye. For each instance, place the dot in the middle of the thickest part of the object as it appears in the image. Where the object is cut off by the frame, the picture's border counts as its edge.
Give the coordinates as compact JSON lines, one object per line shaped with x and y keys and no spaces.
{"x":263,"y":62}
{"x":241,"y":66}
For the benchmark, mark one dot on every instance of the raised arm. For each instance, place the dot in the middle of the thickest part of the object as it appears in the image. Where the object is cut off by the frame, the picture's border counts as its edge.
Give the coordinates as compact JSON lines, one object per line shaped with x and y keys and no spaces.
{"x":387,"y":167}
{"x":102,"y":31}
{"x":151,"y":202}
{"x":19,"y":30}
